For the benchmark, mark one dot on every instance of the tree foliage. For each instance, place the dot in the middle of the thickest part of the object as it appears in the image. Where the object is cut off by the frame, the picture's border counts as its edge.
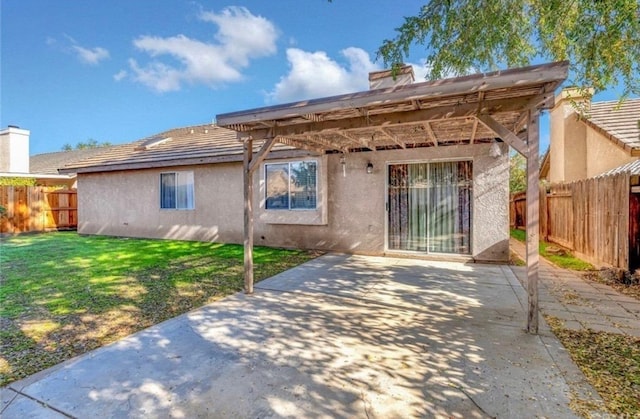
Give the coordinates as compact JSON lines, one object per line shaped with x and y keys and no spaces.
{"x":517,"y":173}
{"x":82,"y":145}
{"x":601,"y":39}
{"x":17,"y":181}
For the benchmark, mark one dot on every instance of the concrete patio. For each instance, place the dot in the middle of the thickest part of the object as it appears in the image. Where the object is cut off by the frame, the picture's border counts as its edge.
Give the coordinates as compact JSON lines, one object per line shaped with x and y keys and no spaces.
{"x":340,"y":336}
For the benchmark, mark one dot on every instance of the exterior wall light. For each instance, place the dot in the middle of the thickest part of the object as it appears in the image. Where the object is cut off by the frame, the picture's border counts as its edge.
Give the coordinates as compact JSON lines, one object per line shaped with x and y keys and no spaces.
{"x":495,"y":151}
{"x":369,"y":168}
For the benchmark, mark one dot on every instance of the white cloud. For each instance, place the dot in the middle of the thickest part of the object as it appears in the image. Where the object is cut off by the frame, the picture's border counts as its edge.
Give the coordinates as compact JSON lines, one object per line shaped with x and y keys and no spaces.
{"x":241,"y":36}
{"x":314,"y":74}
{"x":120,"y":75}
{"x":91,"y":56}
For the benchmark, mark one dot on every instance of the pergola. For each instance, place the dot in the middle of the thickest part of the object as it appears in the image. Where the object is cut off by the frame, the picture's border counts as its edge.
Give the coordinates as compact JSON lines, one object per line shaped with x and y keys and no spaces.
{"x":502,"y":105}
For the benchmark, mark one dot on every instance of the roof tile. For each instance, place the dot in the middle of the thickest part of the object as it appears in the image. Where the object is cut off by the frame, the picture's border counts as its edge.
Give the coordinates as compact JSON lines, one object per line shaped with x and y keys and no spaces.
{"x":618,"y":119}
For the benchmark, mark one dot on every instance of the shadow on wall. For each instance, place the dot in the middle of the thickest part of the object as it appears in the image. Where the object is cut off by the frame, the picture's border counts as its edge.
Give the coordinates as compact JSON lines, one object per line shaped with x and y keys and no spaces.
{"x":175,"y":232}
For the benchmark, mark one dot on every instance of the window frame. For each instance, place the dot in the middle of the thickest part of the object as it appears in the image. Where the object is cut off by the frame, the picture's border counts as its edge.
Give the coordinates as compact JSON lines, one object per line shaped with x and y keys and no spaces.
{"x":176,"y":174}
{"x":289,"y":200}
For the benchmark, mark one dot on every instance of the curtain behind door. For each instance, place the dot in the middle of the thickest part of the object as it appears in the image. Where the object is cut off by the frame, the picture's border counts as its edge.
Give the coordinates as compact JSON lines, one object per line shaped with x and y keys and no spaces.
{"x":430,"y":207}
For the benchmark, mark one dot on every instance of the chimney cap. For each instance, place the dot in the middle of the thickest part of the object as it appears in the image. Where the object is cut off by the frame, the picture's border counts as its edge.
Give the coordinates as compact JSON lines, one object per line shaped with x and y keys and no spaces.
{"x":388,"y":78}
{"x":403,"y":69}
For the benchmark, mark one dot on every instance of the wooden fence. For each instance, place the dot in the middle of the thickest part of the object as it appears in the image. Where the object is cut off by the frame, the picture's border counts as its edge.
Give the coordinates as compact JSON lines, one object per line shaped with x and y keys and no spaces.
{"x":590,"y":217}
{"x":37,"y":208}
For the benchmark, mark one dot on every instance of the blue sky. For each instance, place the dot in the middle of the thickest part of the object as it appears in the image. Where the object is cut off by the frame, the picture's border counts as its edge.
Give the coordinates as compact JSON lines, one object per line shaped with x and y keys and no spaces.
{"x":121,"y":70}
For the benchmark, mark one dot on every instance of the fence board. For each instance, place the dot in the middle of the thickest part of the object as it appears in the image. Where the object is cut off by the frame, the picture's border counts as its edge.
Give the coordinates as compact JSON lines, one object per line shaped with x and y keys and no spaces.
{"x":590,"y":217}
{"x":37,"y":208}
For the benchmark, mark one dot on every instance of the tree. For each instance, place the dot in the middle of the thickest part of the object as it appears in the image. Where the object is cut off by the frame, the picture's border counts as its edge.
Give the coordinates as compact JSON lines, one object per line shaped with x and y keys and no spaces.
{"x":517,"y":173}
{"x":90,"y":143}
{"x":601,"y":39}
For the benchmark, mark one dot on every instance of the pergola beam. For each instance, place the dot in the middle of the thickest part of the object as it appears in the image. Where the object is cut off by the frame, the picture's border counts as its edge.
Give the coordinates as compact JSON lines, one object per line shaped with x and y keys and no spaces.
{"x":262,"y":154}
{"x":247,"y":148}
{"x":552,"y":73}
{"x":393,"y":119}
{"x":474,"y":130}
{"x":392,"y":137}
{"x":295,"y":142}
{"x":533,"y":217}
{"x":431,"y":134}
{"x":504,"y":133}
{"x":357,"y":140}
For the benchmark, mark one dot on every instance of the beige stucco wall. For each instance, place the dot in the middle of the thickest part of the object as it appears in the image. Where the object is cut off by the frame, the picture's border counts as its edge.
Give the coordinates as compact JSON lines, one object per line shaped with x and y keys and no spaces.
{"x":603,"y":155}
{"x":352,"y":211}
{"x":128,"y":204}
{"x":577,"y":150}
{"x":568,"y":145}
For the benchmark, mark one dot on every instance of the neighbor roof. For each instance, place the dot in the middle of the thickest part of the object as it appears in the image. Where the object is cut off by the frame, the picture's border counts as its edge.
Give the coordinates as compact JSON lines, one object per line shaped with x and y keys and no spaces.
{"x":632,"y":168}
{"x":49,"y":163}
{"x":618,"y":121}
{"x":199,"y":144}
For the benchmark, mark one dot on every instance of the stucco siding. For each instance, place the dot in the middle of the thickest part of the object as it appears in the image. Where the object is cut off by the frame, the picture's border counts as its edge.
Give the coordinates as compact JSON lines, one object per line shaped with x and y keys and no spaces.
{"x":351,"y":216}
{"x":128,"y":204}
{"x":603,"y":154}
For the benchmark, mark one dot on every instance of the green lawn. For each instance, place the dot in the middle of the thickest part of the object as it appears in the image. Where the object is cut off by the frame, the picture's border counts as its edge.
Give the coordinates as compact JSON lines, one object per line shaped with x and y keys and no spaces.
{"x":63,"y":294}
{"x":564,"y":261}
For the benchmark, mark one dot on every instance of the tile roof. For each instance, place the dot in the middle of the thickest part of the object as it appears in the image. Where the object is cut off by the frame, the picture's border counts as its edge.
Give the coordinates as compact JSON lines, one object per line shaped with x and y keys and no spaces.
{"x":618,"y":121}
{"x":632,"y":168}
{"x":199,"y":144}
{"x":49,"y":163}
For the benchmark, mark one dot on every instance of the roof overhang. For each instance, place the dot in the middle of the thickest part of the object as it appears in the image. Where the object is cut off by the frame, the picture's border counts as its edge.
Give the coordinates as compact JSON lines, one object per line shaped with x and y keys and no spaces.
{"x":458,"y":110}
{"x":38,"y":175}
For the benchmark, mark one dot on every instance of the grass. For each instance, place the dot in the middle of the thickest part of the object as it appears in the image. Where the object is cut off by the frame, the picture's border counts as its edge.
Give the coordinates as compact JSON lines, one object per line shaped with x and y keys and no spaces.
{"x":62,"y":294}
{"x":611,"y":363}
{"x":564,"y":261}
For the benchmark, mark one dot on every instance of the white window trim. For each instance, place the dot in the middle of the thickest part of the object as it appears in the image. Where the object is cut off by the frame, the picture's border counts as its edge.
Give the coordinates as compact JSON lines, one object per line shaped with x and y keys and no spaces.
{"x":289,"y":163}
{"x":176,"y":172}
{"x":317,"y":216}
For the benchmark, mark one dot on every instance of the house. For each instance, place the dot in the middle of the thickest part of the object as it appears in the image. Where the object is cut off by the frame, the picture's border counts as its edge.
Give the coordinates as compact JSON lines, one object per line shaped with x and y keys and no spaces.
{"x":582,"y":146}
{"x":592,"y":204}
{"x":33,"y":194}
{"x":432,"y":182}
{"x":47,"y":164}
{"x":16,"y":163}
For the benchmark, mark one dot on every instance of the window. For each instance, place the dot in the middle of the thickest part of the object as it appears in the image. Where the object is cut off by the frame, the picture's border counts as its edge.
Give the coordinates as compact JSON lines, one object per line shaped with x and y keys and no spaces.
{"x":291,"y":186}
{"x":176,"y":190}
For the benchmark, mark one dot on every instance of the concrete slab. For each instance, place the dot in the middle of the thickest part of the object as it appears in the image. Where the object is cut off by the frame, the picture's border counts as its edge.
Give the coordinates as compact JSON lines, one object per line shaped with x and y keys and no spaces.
{"x":337,"y":337}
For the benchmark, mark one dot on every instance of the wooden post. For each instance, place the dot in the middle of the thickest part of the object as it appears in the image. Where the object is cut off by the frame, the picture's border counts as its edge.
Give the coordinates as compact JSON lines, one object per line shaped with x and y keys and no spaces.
{"x":248,"y":215}
{"x":533,"y":215}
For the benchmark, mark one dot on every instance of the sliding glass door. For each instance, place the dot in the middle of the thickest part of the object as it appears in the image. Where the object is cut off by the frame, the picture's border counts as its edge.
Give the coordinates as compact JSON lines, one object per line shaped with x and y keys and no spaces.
{"x":430,"y":207}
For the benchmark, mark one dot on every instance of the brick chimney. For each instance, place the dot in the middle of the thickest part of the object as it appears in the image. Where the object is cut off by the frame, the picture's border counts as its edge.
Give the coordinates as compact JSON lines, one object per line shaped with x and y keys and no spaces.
{"x":384,"y":78}
{"x":14,"y":150}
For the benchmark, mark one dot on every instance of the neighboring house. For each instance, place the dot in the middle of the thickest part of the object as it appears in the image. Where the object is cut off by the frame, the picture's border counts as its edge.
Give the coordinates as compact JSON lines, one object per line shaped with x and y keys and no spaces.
{"x":49,"y":163}
{"x":584,"y":146}
{"x":427,"y":186}
{"x":15,"y":161}
{"x":35,"y":195}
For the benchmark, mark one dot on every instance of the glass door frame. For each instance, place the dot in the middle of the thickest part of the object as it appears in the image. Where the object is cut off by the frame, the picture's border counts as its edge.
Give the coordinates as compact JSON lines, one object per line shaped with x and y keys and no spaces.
{"x":387,"y":208}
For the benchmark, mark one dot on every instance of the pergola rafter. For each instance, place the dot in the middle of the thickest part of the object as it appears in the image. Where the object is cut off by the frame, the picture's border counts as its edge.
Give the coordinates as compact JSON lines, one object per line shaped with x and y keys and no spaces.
{"x":463,"y":110}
